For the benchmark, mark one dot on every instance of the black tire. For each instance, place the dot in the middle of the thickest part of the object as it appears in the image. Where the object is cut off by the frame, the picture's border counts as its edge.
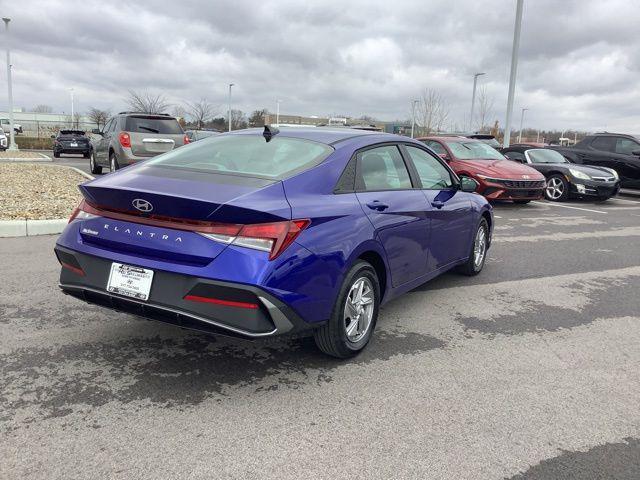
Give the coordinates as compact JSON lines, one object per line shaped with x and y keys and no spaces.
{"x":521,"y":202}
{"x":93,"y":165}
{"x":471,"y":267}
{"x":113,"y":162}
{"x":332,"y":338}
{"x":561,"y":183}
{"x":86,"y":154}
{"x":56,"y":155}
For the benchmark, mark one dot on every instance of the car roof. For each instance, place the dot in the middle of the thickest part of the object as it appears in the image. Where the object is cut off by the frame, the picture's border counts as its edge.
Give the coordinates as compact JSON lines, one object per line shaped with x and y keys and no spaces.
{"x":325,"y":135}
{"x":452,"y":138}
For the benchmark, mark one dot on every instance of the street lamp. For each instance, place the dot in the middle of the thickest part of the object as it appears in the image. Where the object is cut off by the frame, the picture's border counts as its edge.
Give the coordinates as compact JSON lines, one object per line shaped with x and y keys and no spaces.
{"x":229,"y":118}
{"x":12,"y":138}
{"x":413,"y":115}
{"x":473,"y":98}
{"x":514,"y":71}
{"x":521,"y":120}
{"x":278,"y":112}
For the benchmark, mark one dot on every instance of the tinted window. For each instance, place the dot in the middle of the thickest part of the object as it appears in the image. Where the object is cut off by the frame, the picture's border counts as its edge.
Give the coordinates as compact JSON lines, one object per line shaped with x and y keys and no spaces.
{"x":602,"y":143}
{"x":167,"y":126}
{"x":626,"y":146}
{"x":246,"y":155}
{"x":517,"y":156}
{"x":436,"y":147}
{"x":383,"y":169}
{"x":474,"y":150}
{"x":539,"y":155}
{"x":433,"y":175}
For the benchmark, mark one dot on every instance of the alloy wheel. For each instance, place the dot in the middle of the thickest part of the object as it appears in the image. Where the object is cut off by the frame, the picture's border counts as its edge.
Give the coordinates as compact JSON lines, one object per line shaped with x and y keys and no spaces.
{"x":479,"y":247}
{"x":358,"y":309}
{"x":554,"y":189}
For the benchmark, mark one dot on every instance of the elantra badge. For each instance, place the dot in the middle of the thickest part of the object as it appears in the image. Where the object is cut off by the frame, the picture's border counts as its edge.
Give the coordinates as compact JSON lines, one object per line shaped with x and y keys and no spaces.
{"x":142,"y":205}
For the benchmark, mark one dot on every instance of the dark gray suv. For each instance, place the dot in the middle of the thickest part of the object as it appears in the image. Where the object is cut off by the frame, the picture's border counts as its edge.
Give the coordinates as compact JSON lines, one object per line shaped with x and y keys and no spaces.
{"x":131,"y":137}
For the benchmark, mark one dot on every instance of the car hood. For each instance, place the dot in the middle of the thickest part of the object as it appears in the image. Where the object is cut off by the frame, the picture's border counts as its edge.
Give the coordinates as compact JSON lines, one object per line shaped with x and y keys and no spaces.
{"x":589,"y":170}
{"x":500,"y":169}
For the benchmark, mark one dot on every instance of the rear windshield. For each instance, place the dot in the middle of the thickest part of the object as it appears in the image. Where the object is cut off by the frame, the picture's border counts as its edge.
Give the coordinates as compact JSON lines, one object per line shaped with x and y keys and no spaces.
{"x":70,"y":133}
{"x":474,"y":150}
{"x":167,"y":126}
{"x":247,"y":155}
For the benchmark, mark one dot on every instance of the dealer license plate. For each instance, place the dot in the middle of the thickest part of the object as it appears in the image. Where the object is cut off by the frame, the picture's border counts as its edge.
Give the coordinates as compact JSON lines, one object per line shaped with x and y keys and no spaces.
{"x":73,"y":144}
{"x":130,"y":281}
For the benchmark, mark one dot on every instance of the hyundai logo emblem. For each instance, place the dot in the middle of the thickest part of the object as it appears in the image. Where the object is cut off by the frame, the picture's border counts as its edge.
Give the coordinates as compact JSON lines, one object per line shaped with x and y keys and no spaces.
{"x":142,"y":205}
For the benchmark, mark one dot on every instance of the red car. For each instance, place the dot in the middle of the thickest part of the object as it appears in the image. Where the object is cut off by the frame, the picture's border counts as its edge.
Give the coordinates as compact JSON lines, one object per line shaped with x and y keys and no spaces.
{"x":498,"y":177}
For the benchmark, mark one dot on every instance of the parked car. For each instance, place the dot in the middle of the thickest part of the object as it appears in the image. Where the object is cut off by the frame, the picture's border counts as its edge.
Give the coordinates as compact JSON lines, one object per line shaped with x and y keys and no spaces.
{"x":6,"y":125}
{"x":497,"y":177}
{"x":130,"y":137}
{"x":258,"y":234}
{"x":71,"y":141}
{"x":566,"y":179}
{"x":195,"y":135}
{"x":4,"y":142}
{"x":485,"y":138}
{"x":617,"y":151}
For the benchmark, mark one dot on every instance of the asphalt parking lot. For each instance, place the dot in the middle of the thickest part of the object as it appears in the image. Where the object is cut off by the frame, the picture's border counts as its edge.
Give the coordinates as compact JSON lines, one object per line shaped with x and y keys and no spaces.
{"x":529,"y":371}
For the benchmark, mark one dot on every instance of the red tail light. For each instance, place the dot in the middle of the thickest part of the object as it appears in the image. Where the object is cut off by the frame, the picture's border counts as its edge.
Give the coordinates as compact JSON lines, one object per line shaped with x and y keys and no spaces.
{"x":269,"y":237}
{"x":186,"y":140}
{"x":125,"y":139}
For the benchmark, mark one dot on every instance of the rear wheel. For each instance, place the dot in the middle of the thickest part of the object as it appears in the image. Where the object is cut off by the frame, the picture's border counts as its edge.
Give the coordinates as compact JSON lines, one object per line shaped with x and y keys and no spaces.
{"x":93,"y":165}
{"x":56,"y":155}
{"x":557,"y":189}
{"x":478,"y":254}
{"x":354,"y":315}
{"x":113,"y":162}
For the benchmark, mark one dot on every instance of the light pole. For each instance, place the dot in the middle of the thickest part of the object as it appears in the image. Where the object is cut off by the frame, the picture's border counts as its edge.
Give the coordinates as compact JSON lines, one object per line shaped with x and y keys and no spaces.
{"x":229,"y":117}
{"x":473,"y":99}
{"x":413,"y":115}
{"x":514,"y":71}
{"x":278,"y":112}
{"x":12,"y":133}
{"x":521,"y":120}
{"x":72,"y":119}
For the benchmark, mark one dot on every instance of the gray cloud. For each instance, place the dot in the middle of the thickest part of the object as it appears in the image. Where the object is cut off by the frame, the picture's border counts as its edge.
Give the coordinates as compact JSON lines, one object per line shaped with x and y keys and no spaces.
{"x":579,"y":62}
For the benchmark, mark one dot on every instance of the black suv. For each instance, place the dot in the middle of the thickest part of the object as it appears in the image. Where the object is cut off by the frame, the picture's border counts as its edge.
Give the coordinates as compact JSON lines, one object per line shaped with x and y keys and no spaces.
{"x":613,"y":150}
{"x":71,"y":141}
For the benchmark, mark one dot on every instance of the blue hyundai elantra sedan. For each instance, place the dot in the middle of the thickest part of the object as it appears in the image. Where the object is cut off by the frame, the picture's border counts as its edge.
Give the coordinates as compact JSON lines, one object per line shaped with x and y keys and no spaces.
{"x":259,"y":233}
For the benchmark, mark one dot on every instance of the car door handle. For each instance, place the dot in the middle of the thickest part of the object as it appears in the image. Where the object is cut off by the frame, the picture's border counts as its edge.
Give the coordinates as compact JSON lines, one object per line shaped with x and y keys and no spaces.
{"x":437,"y":204}
{"x":377,"y":205}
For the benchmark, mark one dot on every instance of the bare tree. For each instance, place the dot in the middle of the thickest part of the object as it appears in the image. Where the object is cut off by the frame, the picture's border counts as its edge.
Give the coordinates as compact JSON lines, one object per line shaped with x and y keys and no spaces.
{"x":432,"y":111}
{"x":485,"y":109}
{"x":201,"y":112}
{"x":76,"y":121}
{"x":146,"y":102}
{"x":42,"y":109}
{"x":257,"y":118}
{"x":238,"y":120}
{"x":99,"y":117}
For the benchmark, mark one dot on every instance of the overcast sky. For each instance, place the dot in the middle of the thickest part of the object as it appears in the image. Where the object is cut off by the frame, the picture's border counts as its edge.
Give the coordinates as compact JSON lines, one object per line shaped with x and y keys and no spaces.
{"x":579,"y":59}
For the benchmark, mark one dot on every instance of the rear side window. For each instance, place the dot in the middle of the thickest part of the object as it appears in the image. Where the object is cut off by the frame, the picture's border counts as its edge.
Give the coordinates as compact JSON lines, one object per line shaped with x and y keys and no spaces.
{"x":247,"y":155}
{"x":383,"y":168}
{"x":166,"y":126}
{"x":603,"y":143}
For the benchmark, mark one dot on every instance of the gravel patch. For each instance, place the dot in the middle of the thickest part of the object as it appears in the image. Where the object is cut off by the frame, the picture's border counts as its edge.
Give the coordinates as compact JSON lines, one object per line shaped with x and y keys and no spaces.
{"x":38,"y":192}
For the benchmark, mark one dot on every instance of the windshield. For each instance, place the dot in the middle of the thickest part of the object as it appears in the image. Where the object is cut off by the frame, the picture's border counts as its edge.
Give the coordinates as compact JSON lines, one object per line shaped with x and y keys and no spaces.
{"x":247,"y":155}
{"x":539,"y":155}
{"x":474,"y":150}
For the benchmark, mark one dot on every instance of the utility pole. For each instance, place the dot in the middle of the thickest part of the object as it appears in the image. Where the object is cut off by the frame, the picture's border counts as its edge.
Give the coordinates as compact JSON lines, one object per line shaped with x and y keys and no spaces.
{"x":514,"y":72}
{"x":229,"y":117}
{"x":521,"y":120}
{"x":413,"y":115}
{"x":12,"y":133}
{"x":473,"y":99}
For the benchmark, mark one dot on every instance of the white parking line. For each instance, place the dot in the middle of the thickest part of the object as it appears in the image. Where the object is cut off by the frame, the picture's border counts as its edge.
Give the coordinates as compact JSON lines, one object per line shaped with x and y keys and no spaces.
{"x":497,"y":216}
{"x":568,"y":206}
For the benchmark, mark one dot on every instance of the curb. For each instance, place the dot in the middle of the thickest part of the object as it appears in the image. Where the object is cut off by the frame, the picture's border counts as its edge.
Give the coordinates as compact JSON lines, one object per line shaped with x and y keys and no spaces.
{"x":43,"y":158}
{"x":30,"y":228}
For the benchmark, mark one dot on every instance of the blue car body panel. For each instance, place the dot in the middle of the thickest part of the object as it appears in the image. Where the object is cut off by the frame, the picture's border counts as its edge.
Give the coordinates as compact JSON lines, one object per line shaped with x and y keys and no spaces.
{"x":413,"y":239}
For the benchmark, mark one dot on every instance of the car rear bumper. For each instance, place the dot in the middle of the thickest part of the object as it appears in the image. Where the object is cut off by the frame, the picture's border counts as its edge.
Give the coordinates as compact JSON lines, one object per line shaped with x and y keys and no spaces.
{"x":221,"y":307}
{"x":82,"y":149}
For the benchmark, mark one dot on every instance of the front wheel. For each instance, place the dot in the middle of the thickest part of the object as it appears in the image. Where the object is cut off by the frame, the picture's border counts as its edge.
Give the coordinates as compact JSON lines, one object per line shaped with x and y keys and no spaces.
{"x":354,"y":315}
{"x":557,"y":189}
{"x":478,"y":255}
{"x":93,"y":165}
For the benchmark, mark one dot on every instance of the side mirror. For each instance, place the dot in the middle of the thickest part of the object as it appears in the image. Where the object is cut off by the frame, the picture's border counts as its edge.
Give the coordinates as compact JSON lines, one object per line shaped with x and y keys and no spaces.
{"x":636,"y":153}
{"x":468,"y":184}
{"x":444,"y":157}
{"x":97,"y":131}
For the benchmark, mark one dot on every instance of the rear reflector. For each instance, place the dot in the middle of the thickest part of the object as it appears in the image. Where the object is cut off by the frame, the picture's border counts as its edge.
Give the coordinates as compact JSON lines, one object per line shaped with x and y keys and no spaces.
{"x":219,"y":301}
{"x":75,"y":270}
